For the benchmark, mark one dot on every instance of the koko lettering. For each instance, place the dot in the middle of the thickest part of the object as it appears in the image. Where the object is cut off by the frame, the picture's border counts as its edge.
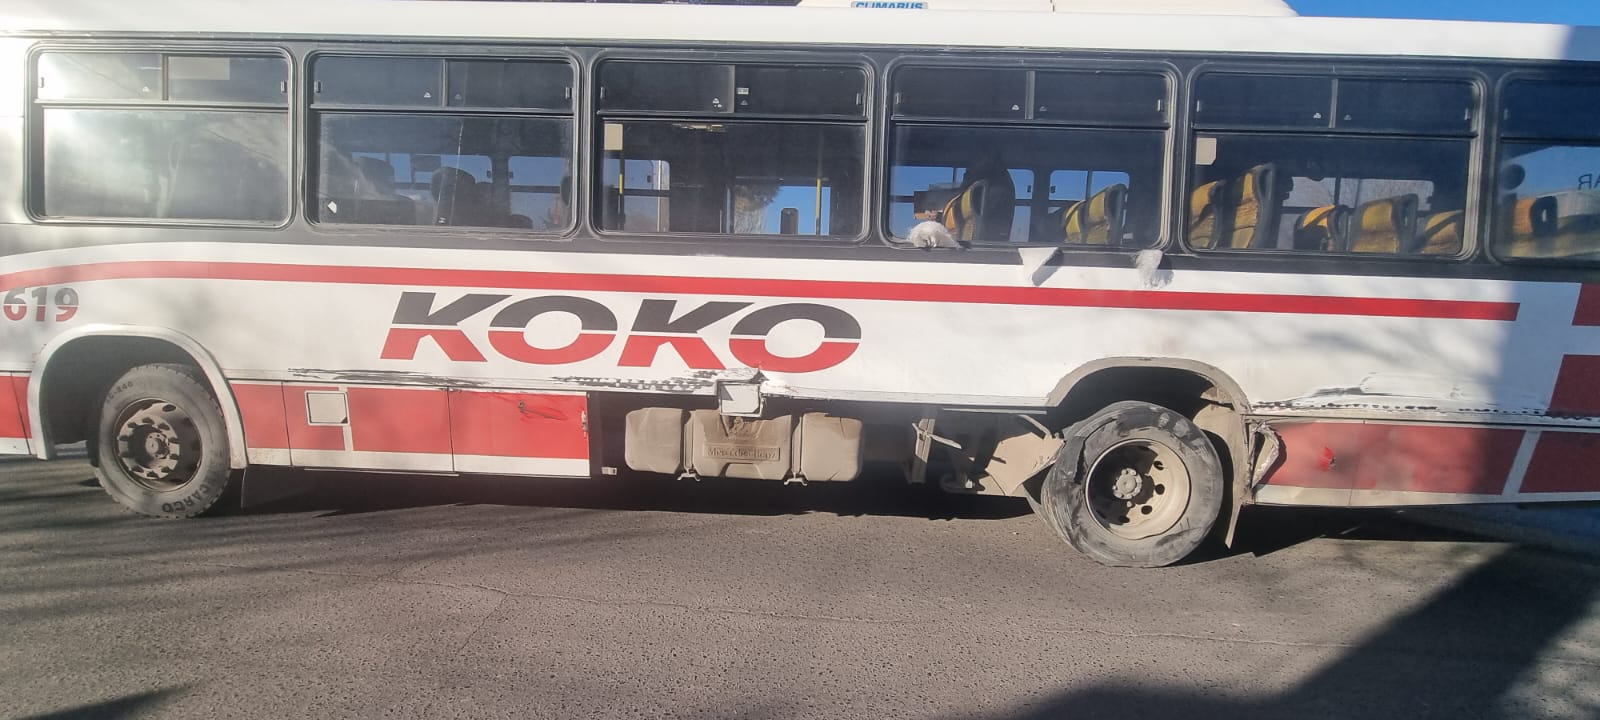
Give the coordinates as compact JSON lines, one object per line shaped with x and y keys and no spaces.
{"x":660,"y":328}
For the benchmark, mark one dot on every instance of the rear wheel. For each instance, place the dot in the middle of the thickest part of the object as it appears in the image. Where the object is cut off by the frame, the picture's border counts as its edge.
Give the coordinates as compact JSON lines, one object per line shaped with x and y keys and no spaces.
{"x":161,"y":442}
{"x":1145,"y":491}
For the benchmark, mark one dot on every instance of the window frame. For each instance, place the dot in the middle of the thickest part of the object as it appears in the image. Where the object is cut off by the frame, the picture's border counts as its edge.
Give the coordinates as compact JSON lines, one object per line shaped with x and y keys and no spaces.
{"x":1475,"y":139}
{"x":33,"y":160}
{"x":310,"y":126}
{"x":1169,"y":129}
{"x":595,"y":120}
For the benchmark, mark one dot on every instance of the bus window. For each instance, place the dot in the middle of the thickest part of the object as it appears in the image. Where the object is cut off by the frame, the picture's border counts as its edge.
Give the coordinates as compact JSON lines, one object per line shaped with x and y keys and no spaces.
{"x":1330,"y":194}
{"x":133,"y":154}
{"x":202,"y":78}
{"x":1292,"y":163}
{"x":1101,"y":98}
{"x":732,"y":178}
{"x":443,"y":142}
{"x":1548,"y":206}
{"x":982,"y":182}
{"x":385,"y":169}
{"x":521,"y":84}
{"x":961,"y":93}
{"x":100,"y":76}
{"x":731,"y":148}
{"x":1263,"y":100}
{"x":1552,"y":209}
{"x":388,"y":81}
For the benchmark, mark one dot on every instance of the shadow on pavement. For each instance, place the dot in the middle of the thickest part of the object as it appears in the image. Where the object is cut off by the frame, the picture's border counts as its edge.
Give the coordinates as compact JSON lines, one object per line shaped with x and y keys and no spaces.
{"x":1486,"y":633}
{"x":125,"y":706}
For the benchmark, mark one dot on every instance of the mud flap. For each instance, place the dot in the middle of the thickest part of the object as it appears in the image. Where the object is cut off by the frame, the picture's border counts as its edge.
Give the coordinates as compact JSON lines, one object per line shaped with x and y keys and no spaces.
{"x":260,"y":487}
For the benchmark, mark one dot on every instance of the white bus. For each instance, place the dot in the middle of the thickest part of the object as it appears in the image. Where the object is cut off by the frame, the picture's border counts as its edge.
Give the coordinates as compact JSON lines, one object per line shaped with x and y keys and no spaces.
{"x":1143,"y":270}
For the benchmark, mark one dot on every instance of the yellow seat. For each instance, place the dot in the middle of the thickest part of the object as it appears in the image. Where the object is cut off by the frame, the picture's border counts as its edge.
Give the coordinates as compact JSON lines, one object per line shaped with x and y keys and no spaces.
{"x":1322,"y":229}
{"x":1529,"y":225}
{"x":983,"y":210}
{"x":1442,"y":232}
{"x":1384,"y":226}
{"x":1098,"y":220}
{"x":1204,"y":204}
{"x":1257,"y":200}
{"x":1238,"y":213}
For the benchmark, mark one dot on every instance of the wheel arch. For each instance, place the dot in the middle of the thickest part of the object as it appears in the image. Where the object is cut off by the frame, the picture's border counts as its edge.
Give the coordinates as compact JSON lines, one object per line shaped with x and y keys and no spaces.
{"x":158,"y":344}
{"x":1228,"y":389}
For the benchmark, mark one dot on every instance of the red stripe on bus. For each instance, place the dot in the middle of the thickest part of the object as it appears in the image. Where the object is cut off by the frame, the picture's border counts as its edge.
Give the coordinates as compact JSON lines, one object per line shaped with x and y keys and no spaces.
{"x":1577,"y":390}
{"x":408,"y":420}
{"x":509,"y":424}
{"x":815,"y":289}
{"x":302,"y":434}
{"x":14,"y":407}
{"x":1563,"y":462}
{"x":261,"y":409}
{"x":1588,"y":312}
{"x":1406,"y":458}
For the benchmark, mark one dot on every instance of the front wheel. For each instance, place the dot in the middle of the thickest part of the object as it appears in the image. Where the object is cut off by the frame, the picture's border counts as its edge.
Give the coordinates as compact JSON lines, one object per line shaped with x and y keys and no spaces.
{"x":1145,"y":491}
{"x":162,"y":444}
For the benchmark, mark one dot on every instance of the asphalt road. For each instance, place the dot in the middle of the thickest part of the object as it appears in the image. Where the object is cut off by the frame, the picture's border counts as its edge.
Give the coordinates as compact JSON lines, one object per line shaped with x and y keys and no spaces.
{"x":406,"y":597}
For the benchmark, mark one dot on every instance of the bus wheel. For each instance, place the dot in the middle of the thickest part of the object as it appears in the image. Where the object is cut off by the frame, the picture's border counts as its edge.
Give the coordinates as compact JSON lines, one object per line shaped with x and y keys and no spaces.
{"x":161,"y":443}
{"x":1145,"y":491}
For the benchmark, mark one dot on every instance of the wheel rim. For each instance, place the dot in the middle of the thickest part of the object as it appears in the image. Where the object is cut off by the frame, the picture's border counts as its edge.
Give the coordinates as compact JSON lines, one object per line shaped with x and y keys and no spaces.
{"x":158,"y":444}
{"x":1138,"y":489}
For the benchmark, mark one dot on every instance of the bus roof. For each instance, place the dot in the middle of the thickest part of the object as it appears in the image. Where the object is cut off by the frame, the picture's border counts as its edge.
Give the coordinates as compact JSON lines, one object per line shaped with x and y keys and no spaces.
{"x":839,"y":26}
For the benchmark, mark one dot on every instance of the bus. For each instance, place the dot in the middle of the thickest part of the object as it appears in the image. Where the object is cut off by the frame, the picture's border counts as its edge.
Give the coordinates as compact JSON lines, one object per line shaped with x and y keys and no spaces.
{"x":1143,"y":269}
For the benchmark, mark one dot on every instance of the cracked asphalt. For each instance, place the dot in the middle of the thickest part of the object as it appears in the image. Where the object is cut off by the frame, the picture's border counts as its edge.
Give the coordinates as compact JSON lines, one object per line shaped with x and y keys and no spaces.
{"x":387,"y":596}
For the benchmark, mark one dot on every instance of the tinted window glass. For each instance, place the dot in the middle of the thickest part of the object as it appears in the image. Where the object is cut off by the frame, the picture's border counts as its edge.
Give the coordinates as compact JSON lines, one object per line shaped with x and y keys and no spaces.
{"x":1370,"y":195}
{"x":666,"y":87}
{"x":1549,"y":203}
{"x":1263,"y":100}
{"x":800,"y":90}
{"x":960,"y":93}
{"x":1108,"y":98}
{"x":749,"y":178}
{"x":980,"y":184}
{"x":180,"y":164}
{"x":406,"y":82}
{"x":507,"y":84}
{"x":392,"y":169}
{"x":1554,"y":110}
{"x":204,"y":78}
{"x":1406,"y":106}
{"x":99,"y":76}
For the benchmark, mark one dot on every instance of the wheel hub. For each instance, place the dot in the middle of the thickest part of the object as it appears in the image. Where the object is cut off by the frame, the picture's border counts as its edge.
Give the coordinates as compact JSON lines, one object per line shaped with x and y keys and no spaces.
{"x":1138,"y":489}
{"x":1127,"y":484}
{"x":157,"y":444}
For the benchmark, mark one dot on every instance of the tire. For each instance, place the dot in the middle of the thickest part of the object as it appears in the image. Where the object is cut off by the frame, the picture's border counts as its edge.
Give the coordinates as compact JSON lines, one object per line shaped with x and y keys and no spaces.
{"x":162,"y":444}
{"x":1145,"y":491}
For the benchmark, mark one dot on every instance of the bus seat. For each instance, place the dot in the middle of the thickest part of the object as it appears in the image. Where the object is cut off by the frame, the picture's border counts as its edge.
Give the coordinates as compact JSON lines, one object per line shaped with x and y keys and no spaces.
{"x":377,"y":175}
{"x":458,"y":197}
{"x":375,"y":199}
{"x":1047,"y":227}
{"x":1532,"y":219}
{"x":1441,"y":233}
{"x":1204,"y":204}
{"x":1098,"y":220}
{"x":983,"y":210}
{"x":1384,"y":226}
{"x":1321,"y":229}
{"x":1257,"y":200}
